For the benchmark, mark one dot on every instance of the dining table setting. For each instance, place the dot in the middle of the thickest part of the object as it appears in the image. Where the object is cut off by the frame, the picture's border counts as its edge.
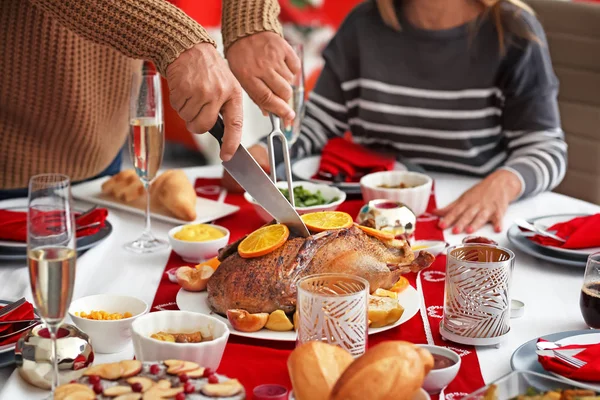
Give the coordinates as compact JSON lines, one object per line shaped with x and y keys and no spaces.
{"x":330,"y":278}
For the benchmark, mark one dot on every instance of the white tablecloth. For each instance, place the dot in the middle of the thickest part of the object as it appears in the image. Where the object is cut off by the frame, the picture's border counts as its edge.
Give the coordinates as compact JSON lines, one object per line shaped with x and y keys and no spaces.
{"x":550,"y":292}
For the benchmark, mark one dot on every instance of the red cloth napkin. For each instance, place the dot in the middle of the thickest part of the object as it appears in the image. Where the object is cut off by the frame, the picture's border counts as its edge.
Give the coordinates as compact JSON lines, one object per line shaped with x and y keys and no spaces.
{"x":589,"y":372}
{"x":22,"y":313}
{"x":345,"y":161}
{"x":580,"y":233}
{"x":13,"y":224}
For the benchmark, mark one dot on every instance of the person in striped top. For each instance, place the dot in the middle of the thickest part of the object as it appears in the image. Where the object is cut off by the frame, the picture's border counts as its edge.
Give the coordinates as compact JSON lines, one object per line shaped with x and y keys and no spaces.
{"x":458,"y":86}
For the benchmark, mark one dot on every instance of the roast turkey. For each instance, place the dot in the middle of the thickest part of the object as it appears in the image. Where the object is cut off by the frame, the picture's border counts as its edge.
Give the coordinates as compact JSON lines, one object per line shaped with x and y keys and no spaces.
{"x":268,"y":283}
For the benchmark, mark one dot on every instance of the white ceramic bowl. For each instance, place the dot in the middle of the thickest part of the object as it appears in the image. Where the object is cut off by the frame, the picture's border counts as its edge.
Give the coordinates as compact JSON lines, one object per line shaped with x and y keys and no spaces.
{"x":108,"y":336}
{"x":328,"y":192}
{"x":196,"y":252}
{"x":415,"y":197}
{"x":438,"y":379}
{"x":207,"y":354}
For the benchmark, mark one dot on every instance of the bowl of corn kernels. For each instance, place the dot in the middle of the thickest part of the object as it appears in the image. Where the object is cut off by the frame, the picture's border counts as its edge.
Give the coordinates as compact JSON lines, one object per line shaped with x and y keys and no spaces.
{"x":107,"y":319}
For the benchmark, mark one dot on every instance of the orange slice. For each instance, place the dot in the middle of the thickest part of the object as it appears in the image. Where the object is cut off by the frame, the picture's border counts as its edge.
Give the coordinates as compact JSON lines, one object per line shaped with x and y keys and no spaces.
{"x":263,"y":241}
{"x":376,"y":233}
{"x":385,"y":293}
{"x":213,"y":263}
{"x":400,"y":285}
{"x":327,"y":220}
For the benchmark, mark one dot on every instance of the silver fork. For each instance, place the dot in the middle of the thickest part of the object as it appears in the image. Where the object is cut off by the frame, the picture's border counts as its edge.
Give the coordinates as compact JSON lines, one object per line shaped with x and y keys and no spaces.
{"x":12,"y":306}
{"x":572,"y":361}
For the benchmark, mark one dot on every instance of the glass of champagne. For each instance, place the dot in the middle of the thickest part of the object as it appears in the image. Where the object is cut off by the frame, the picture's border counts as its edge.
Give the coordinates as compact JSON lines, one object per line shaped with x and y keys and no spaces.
{"x":146,"y":144}
{"x":589,"y":301}
{"x":297,"y":102}
{"x":51,"y":252}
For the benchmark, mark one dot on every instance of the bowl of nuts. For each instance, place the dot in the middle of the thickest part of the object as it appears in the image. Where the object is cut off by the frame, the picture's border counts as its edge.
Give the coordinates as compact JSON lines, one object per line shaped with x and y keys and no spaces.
{"x":107,"y":319}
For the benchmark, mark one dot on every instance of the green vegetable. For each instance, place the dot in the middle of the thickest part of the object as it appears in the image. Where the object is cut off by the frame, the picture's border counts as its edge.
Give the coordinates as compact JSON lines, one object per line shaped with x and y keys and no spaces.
{"x":304,"y":198}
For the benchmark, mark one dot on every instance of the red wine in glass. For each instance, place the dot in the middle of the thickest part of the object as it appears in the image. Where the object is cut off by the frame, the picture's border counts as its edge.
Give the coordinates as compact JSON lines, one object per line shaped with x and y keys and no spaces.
{"x":589,"y":303}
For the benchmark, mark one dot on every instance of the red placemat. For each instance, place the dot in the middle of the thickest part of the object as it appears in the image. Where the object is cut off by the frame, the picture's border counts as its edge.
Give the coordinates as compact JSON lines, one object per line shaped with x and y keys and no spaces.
{"x":255,"y":362}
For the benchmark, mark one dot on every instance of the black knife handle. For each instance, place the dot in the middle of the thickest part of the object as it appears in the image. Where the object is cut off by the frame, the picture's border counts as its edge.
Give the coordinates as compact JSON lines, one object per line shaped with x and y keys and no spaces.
{"x":218,"y":130}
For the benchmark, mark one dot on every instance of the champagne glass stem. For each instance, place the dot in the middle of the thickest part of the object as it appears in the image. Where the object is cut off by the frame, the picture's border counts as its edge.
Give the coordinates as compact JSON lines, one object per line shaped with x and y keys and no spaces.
{"x":53,"y":329}
{"x":147,"y":230}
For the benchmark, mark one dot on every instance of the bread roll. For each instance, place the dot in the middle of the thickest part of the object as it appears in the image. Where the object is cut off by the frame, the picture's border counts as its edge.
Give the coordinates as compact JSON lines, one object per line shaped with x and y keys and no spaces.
{"x":392,"y":370}
{"x":314,"y":367}
{"x":176,"y":193}
{"x":124,"y":186}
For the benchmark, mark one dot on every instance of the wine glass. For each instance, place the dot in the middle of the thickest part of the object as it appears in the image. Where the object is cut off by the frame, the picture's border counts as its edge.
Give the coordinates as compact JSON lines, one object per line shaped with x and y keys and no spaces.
{"x":589,"y":302}
{"x":297,"y":101}
{"x":146,"y":144}
{"x":51,"y":252}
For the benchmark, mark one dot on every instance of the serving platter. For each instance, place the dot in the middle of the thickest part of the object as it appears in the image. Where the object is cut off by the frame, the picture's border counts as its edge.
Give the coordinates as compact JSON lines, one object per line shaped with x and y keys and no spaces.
{"x":197,"y":302}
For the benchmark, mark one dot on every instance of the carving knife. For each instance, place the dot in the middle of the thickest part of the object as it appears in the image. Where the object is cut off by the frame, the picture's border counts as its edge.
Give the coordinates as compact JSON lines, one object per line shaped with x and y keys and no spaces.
{"x":251,"y":177}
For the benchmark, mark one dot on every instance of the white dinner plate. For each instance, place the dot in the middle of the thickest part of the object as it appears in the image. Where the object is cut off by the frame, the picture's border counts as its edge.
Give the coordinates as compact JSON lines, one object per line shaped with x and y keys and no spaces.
{"x":206,"y":210}
{"x":306,"y":168}
{"x":197,"y":302}
{"x":547,"y":221}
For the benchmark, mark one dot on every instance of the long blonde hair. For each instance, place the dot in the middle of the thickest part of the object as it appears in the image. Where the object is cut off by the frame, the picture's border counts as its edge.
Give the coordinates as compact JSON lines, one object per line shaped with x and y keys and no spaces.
{"x":504,"y":22}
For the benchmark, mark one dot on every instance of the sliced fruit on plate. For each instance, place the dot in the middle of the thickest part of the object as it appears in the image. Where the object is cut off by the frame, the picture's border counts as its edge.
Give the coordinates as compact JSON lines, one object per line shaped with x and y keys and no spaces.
{"x":278,"y":321}
{"x":385,"y":293}
{"x":213,"y":263}
{"x":111,"y":371}
{"x":115,"y":391}
{"x":327,"y":220}
{"x":243,"y":321}
{"x":400,"y":285}
{"x":263,"y":241}
{"x":197,"y":373}
{"x":384,"y":311}
{"x":376,"y":233}
{"x":129,"y":396}
{"x":145,"y":383}
{"x":74,"y":391}
{"x":130,"y":368}
{"x":194,"y":279}
{"x":223,"y":389}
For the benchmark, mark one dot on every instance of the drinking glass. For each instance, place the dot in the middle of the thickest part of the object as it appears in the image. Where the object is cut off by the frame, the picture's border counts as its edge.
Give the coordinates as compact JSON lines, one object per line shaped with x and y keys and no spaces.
{"x":297,"y":102}
{"x":332,"y":308}
{"x":589,"y":302}
{"x":51,"y":252}
{"x":146,"y":144}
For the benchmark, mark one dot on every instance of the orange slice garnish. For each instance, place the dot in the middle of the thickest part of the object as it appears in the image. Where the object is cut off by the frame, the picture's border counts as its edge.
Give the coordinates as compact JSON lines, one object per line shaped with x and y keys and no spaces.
{"x":376,"y":233}
{"x":263,"y":241}
{"x":327,"y":220}
{"x":400,"y":285}
{"x":213,"y":263}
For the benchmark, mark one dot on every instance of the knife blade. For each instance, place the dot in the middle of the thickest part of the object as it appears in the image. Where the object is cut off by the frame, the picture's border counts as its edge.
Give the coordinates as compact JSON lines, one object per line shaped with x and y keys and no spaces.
{"x":251,"y":177}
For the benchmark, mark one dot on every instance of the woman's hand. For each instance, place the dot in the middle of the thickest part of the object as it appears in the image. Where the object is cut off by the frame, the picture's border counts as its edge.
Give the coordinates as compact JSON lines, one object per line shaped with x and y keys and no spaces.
{"x":200,"y":86}
{"x":485,"y":202}
{"x":262,"y":158}
{"x":265,"y":65}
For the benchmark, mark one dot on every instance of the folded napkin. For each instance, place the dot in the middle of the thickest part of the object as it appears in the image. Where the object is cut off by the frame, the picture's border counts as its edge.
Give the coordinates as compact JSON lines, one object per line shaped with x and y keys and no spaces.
{"x":24,"y":312}
{"x":13,"y":224}
{"x":579,"y":233}
{"x":345,"y":161}
{"x":589,"y":372}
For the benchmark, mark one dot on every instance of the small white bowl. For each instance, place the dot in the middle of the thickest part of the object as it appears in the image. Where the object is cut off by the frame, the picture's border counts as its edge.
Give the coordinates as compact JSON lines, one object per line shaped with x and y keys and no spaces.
{"x":416,"y":197}
{"x":328,"y":192}
{"x":196,"y":252}
{"x":438,"y":379}
{"x":108,"y":336}
{"x":206,"y":354}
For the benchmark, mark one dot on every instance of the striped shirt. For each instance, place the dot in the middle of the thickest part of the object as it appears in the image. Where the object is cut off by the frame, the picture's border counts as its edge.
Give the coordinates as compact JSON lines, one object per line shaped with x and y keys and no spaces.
{"x":446,"y":100}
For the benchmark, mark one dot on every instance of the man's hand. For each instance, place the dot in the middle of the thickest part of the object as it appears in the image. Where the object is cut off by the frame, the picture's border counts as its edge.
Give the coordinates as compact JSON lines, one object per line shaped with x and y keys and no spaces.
{"x":200,"y":86}
{"x":265,"y":65}
{"x":262,"y":158}
{"x":485,"y":202}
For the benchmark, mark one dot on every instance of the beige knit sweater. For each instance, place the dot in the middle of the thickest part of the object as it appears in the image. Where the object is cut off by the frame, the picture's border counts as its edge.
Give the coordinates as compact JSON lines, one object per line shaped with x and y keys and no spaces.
{"x":65,"y":72}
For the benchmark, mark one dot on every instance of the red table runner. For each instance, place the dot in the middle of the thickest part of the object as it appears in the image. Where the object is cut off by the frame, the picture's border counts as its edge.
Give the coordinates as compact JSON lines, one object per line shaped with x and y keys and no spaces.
{"x":255,"y":362}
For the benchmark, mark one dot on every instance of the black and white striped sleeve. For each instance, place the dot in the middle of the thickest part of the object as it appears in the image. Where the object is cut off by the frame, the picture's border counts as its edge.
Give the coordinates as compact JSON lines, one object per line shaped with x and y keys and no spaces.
{"x":531,"y":121}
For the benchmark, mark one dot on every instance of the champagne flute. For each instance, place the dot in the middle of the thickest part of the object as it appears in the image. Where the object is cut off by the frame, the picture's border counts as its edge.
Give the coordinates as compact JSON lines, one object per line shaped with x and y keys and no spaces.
{"x":146,"y":144}
{"x":297,"y":101}
{"x":51,"y":252}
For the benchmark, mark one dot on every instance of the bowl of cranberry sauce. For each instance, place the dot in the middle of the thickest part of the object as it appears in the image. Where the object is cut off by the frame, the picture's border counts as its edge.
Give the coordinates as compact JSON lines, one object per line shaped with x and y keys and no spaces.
{"x":446,"y":364}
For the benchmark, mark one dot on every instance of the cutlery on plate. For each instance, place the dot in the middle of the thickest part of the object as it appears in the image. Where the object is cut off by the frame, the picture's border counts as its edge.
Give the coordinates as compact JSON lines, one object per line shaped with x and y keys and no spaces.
{"x":521,"y":223}
{"x":251,"y":177}
{"x":85,"y":213}
{"x":551,"y":349}
{"x":20,"y":321}
{"x":11,"y":306}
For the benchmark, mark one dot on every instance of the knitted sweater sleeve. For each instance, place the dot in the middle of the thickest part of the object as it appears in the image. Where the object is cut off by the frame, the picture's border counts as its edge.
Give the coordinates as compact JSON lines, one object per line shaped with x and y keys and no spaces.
{"x":243,"y":18}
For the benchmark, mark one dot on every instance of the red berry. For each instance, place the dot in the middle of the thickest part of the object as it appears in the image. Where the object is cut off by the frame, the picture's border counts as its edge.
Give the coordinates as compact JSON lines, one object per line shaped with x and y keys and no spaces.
{"x":213,"y":379}
{"x":189,"y":388}
{"x":154,"y":369}
{"x":137,"y":387}
{"x":73,"y":381}
{"x":94,"y":379}
{"x":180,"y":396}
{"x":98,"y":389}
{"x":183,"y":378}
{"x":207,"y":372}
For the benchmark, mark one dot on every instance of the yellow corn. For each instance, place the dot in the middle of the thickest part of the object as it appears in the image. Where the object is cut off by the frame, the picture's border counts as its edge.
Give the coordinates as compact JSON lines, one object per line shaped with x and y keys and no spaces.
{"x":103,"y":315}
